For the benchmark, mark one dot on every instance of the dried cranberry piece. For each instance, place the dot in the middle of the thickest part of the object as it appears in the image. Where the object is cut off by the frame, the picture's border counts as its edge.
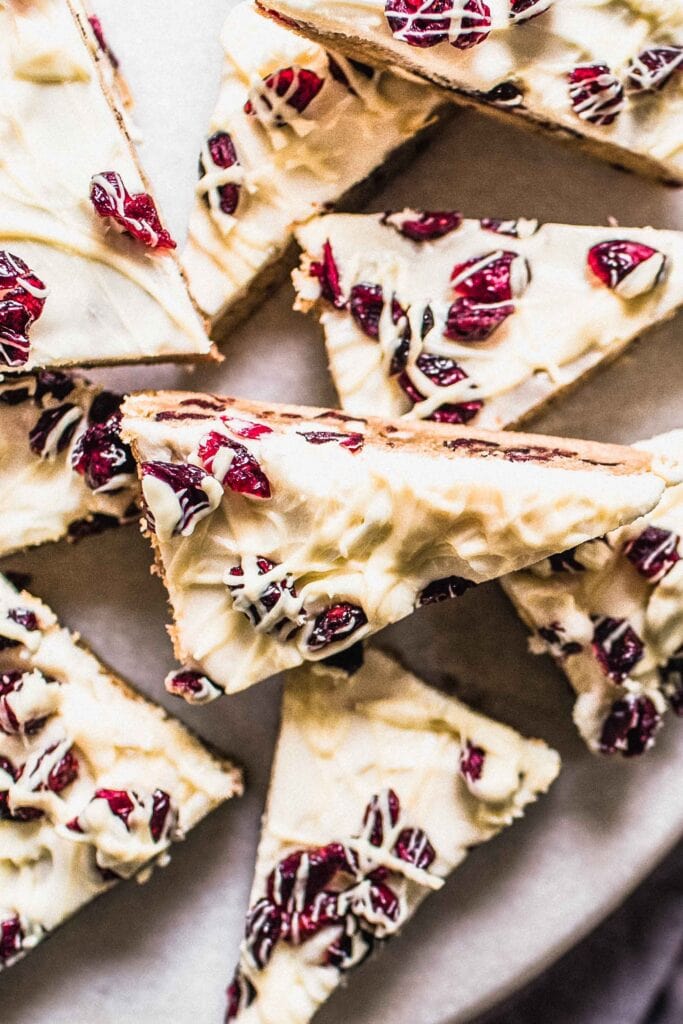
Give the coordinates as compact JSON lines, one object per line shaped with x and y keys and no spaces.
{"x":322,"y":912}
{"x":23,"y":617}
{"x":349,"y":949}
{"x":136,"y":214}
{"x":64,"y":772}
{"x":103,"y":406}
{"x":263,"y":928}
{"x":352,"y":442}
{"x":443,"y":372}
{"x":653,"y":68}
{"x":381,"y":815}
{"x":377,"y":906}
{"x":102,"y":458}
{"x":54,"y":430}
{"x":11,"y":936}
{"x":243,"y":473}
{"x":161,"y":812}
{"x":241,"y":994}
{"x":366,"y":303}
{"x":425,"y":24}
{"x":413,"y":846}
{"x":327,"y":273}
{"x":192,"y":686}
{"x":53,"y":383}
{"x":120,"y":802}
{"x":426,"y":226}
{"x":596,"y":94}
{"x":512,"y":228}
{"x":245,"y":428}
{"x":192,"y":490}
{"x":223,"y":155}
{"x":444,"y":590}
{"x":472,"y":762}
{"x":22,"y":298}
{"x":350,"y":660}
{"x":616,"y":261}
{"x":617,"y":647}
{"x":654,"y":552}
{"x":101,"y":39}
{"x":335,"y":624}
{"x":630,"y":727}
{"x":298,"y":87}
{"x":473,"y":321}
{"x":494,"y":277}
{"x":524,"y":10}
{"x":672,"y":682}
{"x":295,"y":882}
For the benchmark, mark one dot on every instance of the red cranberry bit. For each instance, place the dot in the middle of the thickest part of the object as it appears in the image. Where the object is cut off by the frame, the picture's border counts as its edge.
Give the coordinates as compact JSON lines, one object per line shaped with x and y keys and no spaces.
{"x":596,"y":94}
{"x":472,"y":762}
{"x":11,"y":937}
{"x":263,"y":929}
{"x":98,"y":32}
{"x":653,"y":68}
{"x":629,"y":268}
{"x":351,"y":948}
{"x":54,"y":430}
{"x":186,"y":482}
{"x":245,"y":428}
{"x":300,"y":877}
{"x":424,"y":23}
{"x":297,"y":87}
{"x":352,"y":442}
{"x":22,"y":297}
{"x":494,"y":277}
{"x":512,"y":228}
{"x":381,"y":815}
{"x":630,"y":727}
{"x":192,"y":686}
{"x":223,"y":156}
{"x":378,"y":905}
{"x":524,"y":10}
{"x":64,"y":772}
{"x":161,"y":814}
{"x":102,"y":458}
{"x":472,"y":321}
{"x":135,"y":214}
{"x":672,"y":682}
{"x":243,"y":475}
{"x":103,"y":406}
{"x":444,"y":590}
{"x":23,"y":617}
{"x":426,"y":226}
{"x":366,"y":303}
{"x":241,"y":994}
{"x":413,"y":846}
{"x":654,"y":553}
{"x":443,"y":372}
{"x":120,"y":802}
{"x":335,"y":625}
{"x":327,"y":273}
{"x":617,"y":647}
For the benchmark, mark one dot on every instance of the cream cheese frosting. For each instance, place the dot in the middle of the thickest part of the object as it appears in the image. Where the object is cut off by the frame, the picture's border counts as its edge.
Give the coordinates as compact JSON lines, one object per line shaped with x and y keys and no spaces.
{"x":95,"y":781}
{"x":604,"y":71}
{"x":291,"y":154}
{"x":285,"y":534}
{"x":411,"y":330}
{"x":611,"y":614}
{"x":106,"y":298}
{"x":379,"y":787}
{"x":63,"y":469}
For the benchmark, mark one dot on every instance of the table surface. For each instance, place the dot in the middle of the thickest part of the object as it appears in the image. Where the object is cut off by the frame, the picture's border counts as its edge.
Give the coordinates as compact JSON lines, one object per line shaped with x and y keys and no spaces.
{"x":165,"y":951}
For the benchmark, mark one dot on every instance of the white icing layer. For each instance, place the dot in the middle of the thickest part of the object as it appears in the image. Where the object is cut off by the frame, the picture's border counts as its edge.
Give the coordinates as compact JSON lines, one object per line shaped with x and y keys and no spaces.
{"x":66,"y":703}
{"x":537,"y":350}
{"x":109,"y":299}
{"x":343,"y":742}
{"x":291,"y":164}
{"x":537,"y":56}
{"x":601,"y":581}
{"x":370,"y":525}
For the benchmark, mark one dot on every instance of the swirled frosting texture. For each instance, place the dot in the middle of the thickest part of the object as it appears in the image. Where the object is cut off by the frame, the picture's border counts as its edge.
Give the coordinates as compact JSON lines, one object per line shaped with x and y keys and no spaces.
{"x":69,"y":731}
{"x":109,"y":300}
{"x":362,"y":520}
{"x":344,"y":741}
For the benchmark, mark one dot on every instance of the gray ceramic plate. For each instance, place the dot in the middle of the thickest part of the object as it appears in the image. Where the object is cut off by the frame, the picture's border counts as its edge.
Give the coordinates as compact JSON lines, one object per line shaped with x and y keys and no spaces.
{"x":165,"y":952}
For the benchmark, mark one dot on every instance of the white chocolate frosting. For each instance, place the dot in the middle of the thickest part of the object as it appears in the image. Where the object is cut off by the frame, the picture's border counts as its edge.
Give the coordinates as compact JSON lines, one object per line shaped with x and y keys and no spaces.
{"x":537,"y":350}
{"x":637,"y":583}
{"x":349,"y":524}
{"x":536,"y":56}
{"x":42,"y":497}
{"x":109,"y":298}
{"x":291,"y":163}
{"x":341,"y":744}
{"x":64,"y":704}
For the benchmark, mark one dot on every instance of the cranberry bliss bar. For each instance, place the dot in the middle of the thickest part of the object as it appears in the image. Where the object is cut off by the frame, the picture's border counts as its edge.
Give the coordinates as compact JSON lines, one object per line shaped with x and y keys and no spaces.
{"x":285,"y":534}
{"x":95,"y":782}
